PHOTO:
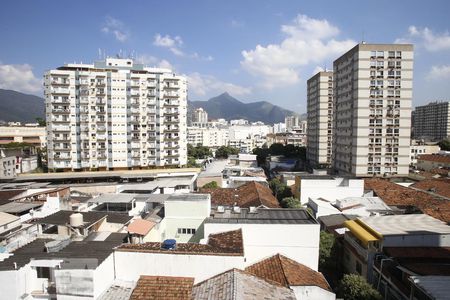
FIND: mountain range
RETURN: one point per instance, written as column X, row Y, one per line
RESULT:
column 16, row 106
column 227, row 107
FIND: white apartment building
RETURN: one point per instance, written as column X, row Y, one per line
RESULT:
column 320, row 119
column 432, row 121
column 200, row 117
column 115, row 114
column 208, row 136
column 33, row 135
column 291, row 122
column 372, row 110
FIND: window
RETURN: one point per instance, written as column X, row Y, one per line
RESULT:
column 186, row 230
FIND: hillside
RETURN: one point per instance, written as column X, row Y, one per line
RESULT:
column 15, row 106
column 227, row 107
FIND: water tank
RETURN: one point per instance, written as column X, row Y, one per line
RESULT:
column 76, row 220
column 169, row 244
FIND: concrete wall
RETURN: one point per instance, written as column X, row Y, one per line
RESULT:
column 299, row 242
column 312, row 293
column 131, row 265
column 104, row 276
column 426, row 239
column 330, row 189
column 95, row 189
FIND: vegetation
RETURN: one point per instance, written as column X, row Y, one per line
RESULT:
column 225, row 151
column 289, row 151
column 445, row 145
column 279, row 189
column 41, row 122
column 327, row 241
column 355, row 287
column 198, row 152
column 211, row 185
column 291, row 202
column 15, row 145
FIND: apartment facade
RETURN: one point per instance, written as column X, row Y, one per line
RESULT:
column 432, row 121
column 291, row 122
column 115, row 114
column 320, row 119
column 372, row 110
column 200, row 117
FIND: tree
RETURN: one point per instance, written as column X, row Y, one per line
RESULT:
column 41, row 122
column 355, row 287
column 290, row 202
column 211, row 185
column 276, row 149
column 199, row 151
column 279, row 189
column 325, row 246
column 225, row 151
column 445, row 145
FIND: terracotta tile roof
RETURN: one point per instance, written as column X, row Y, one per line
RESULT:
column 287, row 272
column 228, row 243
column 238, row 284
column 249, row 194
column 435, row 158
column 162, row 287
column 395, row 195
column 438, row 186
column 140, row 226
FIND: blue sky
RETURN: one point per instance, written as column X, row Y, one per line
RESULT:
column 255, row 50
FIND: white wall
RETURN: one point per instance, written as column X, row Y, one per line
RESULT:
column 104, row 276
column 131, row 265
column 299, row 242
column 330, row 189
column 312, row 293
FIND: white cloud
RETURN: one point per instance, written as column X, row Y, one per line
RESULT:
column 439, row 73
column 153, row 61
column 202, row 85
column 306, row 41
column 115, row 27
column 19, row 78
column 426, row 38
column 174, row 45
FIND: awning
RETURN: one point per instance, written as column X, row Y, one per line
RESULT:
column 361, row 232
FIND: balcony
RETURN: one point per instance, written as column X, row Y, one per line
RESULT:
column 61, row 128
column 135, row 145
column 60, row 91
column 61, row 101
column 171, row 95
column 101, row 137
column 60, row 111
column 61, row 157
column 101, row 128
column 60, row 81
column 134, row 110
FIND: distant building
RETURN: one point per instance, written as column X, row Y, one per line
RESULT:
column 372, row 110
column 14, row 161
column 418, row 148
column 320, row 119
column 291, row 122
column 432, row 121
column 115, row 114
column 279, row 127
column 33, row 135
column 200, row 117
column 429, row 162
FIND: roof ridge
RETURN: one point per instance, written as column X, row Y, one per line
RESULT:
column 279, row 256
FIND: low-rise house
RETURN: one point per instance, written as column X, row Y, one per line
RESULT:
column 329, row 187
column 369, row 235
column 45, row 269
column 222, row 251
column 419, row 148
column 251, row 194
column 81, row 224
column 268, row 231
column 397, row 269
column 305, row 282
column 428, row 162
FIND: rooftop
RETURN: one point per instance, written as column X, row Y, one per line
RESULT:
column 189, row 197
column 406, row 224
column 438, row 186
column 162, row 287
column 6, row 218
column 62, row 217
column 116, row 198
column 141, row 227
column 238, row 284
column 247, row 195
column 228, row 243
column 17, row 207
column 263, row 216
column 287, row 272
column 438, row 287
column 97, row 250
column 214, row 168
column 396, row 195
column 435, row 158
column 335, row 220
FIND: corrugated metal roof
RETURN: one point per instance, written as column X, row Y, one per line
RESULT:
column 437, row 287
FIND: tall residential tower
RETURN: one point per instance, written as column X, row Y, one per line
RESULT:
column 320, row 119
column 432, row 121
column 372, row 119
column 115, row 114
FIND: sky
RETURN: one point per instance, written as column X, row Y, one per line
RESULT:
column 256, row 50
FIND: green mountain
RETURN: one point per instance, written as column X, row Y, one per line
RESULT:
column 15, row 106
column 227, row 107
